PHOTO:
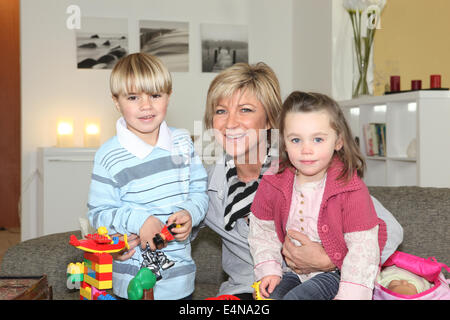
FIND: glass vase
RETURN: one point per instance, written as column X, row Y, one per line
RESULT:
column 362, row 50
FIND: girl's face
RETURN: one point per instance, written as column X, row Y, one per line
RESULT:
column 310, row 143
column 143, row 113
column 237, row 124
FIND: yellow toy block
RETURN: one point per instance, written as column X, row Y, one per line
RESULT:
column 101, row 268
column 75, row 268
column 102, row 285
column 85, row 292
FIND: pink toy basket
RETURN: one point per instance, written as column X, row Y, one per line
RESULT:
column 429, row 269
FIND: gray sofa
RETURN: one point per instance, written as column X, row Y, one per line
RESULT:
column 424, row 214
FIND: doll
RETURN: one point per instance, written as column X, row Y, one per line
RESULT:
column 401, row 281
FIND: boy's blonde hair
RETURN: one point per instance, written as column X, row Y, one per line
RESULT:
column 349, row 154
column 140, row 72
column 258, row 79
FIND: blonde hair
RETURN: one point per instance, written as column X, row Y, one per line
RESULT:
column 349, row 154
column 258, row 79
column 140, row 72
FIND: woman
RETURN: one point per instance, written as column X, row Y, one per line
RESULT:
column 242, row 106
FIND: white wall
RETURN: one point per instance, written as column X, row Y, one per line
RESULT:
column 312, row 46
column 322, row 59
column 53, row 88
column 342, row 61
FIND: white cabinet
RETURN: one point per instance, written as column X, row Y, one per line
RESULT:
column 420, row 116
column 65, row 175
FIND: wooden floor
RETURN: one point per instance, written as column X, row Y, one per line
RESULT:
column 8, row 238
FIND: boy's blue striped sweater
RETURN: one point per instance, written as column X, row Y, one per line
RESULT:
column 125, row 190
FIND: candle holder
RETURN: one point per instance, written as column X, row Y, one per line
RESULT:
column 395, row 83
column 435, row 81
column 91, row 134
column 65, row 134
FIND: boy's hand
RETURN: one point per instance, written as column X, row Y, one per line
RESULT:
column 268, row 284
column 148, row 230
column 184, row 219
column 133, row 241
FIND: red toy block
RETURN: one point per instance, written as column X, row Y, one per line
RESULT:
column 103, row 276
column 99, row 258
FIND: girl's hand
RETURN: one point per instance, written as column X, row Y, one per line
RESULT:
column 133, row 241
column 268, row 284
column 148, row 230
column 184, row 219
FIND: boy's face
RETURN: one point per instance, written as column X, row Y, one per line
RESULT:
column 143, row 113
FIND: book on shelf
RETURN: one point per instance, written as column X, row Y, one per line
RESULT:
column 375, row 139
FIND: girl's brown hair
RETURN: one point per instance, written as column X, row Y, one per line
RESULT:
column 349, row 154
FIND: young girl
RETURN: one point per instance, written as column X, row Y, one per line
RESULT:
column 318, row 191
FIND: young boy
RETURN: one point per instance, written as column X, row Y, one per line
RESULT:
column 146, row 176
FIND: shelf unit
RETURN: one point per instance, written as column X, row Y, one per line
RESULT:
column 65, row 176
column 420, row 115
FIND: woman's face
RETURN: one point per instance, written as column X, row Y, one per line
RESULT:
column 239, row 123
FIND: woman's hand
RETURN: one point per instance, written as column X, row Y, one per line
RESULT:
column 307, row 258
column 133, row 241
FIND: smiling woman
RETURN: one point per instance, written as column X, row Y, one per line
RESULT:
column 238, row 121
column 242, row 106
column 243, row 102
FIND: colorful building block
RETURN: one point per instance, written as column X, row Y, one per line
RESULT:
column 95, row 273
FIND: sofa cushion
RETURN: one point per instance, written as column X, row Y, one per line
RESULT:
column 207, row 254
column 424, row 214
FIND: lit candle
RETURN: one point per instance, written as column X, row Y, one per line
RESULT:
column 91, row 134
column 65, row 134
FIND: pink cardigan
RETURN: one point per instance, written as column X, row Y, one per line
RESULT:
column 346, row 207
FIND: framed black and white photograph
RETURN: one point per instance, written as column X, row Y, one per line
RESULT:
column 168, row 40
column 101, row 42
column 223, row 45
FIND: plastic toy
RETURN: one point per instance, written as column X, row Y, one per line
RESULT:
column 157, row 260
column 92, row 293
column 75, row 272
column 99, row 242
column 141, row 286
column 258, row 295
column 164, row 236
column 97, row 264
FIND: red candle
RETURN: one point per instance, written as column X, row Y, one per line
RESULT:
column 416, row 84
column 395, row 83
column 435, row 81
